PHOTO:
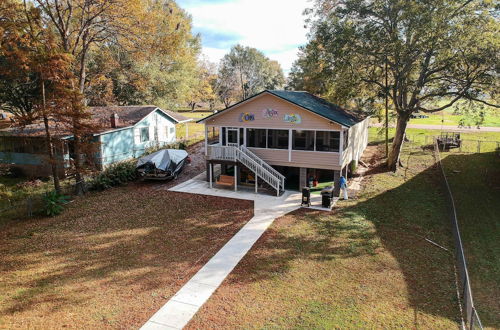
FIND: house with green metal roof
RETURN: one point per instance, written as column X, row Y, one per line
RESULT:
column 282, row 139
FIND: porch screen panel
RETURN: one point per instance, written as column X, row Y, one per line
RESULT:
column 303, row 140
column 327, row 141
column 277, row 139
column 256, row 138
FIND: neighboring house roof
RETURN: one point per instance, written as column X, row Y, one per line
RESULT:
column 37, row 129
column 130, row 115
column 100, row 120
column 309, row 102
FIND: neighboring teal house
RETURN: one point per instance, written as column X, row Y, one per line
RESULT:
column 121, row 132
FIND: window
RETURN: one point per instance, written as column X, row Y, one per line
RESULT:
column 327, row 141
column 303, row 140
column 172, row 130
column 144, row 134
column 256, row 138
column 346, row 139
column 277, row 139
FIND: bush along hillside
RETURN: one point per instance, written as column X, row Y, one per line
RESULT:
column 114, row 175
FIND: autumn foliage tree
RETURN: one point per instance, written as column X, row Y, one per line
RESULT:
column 35, row 77
column 153, row 37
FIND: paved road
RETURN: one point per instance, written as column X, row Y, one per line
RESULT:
column 447, row 128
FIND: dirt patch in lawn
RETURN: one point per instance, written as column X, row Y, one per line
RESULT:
column 364, row 265
column 112, row 258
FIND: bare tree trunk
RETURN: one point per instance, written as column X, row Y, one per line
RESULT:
column 397, row 143
column 50, row 146
column 80, row 181
column 50, row 151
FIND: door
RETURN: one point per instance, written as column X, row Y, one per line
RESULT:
column 233, row 137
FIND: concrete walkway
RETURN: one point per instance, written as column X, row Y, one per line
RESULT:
column 179, row 310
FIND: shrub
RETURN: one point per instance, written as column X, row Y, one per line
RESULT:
column 114, row 175
column 53, row 203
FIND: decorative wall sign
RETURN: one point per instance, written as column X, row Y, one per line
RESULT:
column 246, row 116
column 269, row 113
column 292, row 118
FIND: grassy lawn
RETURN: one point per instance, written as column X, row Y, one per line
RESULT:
column 492, row 119
column 425, row 136
column 111, row 259
column 364, row 265
column 195, row 131
column 475, row 184
column 448, row 118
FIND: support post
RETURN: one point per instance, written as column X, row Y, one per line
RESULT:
column 235, row 177
column 336, row 185
column 206, row 140
column 256, row 185
column 210, row 170
column 302, row 178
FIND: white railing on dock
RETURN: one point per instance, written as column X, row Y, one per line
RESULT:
column 261, row 169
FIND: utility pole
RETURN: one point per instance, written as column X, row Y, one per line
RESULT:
column 386, row 112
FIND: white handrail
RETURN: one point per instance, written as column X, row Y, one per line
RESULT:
column 261, row 162
column 250, row 160
column 265, row 165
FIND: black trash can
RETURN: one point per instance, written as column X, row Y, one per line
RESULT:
column 326, row 196
column 306, row 196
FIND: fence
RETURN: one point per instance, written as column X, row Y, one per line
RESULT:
column 472, row 320
column 467, row 145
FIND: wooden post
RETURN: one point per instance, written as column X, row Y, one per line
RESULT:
column 478, row 146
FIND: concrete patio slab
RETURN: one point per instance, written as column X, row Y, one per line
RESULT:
column 179, row 310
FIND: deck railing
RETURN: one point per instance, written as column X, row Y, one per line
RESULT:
column 264, row 165
column 261, row 169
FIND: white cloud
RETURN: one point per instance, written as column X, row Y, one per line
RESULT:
column 214, row 54
column 275, row 27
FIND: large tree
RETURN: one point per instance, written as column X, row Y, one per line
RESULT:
column 436, row 53
column 140, row 29
column 35, row 78
column 245, row 71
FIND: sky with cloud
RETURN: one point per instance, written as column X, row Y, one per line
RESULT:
column 275, row 27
